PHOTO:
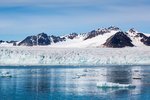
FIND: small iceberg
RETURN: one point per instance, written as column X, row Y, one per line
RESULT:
column 81, row 75
column 85, row 70
column 76, row 77
column 114, row 85
column 6, row 74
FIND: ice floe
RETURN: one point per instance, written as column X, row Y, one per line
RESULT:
column 114, row 85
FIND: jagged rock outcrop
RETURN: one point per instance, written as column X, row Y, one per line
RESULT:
column 56, row 39
column 72, row 36
column 113, row 28
column 118, row 40
column 95, row 33
column 1, row 41
column 9, row 42
column 40, row 39
column 145, row 39
column 12, row 41
column 132, row 33
column 107, row 37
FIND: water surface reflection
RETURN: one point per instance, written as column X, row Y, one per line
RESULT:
column 73, row 82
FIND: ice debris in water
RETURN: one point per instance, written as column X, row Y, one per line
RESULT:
column 5, row 74
column 114, row 85
column 85, row 70
column 78, row 76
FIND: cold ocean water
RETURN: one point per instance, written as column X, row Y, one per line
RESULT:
column 73, row 82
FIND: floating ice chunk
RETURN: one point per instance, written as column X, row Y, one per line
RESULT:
column 85, row 70
column 81, row 75
column 76, row 77
column 137, row 75
column 5, row 74
column 114, row 85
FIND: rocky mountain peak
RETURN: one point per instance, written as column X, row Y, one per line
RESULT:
column 118, row 40
column 95, row 33
column 133, row 30
column 56, row 39
column 109, row 37
column 40, row 39
column 72, row 35
column 42, row 35
column 1, row 41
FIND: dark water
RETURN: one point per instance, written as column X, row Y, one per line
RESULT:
column 74, row 83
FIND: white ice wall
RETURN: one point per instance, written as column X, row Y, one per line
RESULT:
column 74, row 56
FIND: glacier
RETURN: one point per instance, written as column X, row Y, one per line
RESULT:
column 73, row 56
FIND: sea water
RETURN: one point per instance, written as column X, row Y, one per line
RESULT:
column 73, row 82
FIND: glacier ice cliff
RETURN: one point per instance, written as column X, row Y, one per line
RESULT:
column 74, row 56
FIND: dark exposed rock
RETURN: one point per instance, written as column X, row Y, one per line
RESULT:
column 132, row 30
column 72, row 35
column 95, row 33
column 43, row 39
column 12, row 41
column 15, row 44
column 118, row 40
column 56, row 39
column 113, row 28
column 1, row 41
column 9, row 42
column 29, row 41
column 144, row 38
column 40, row 39
column 141, row 35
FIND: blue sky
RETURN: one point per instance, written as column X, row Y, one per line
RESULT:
column 19, row 18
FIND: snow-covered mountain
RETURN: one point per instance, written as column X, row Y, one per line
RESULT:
column 8, row 43
column 119, row 39
column 138, row 39
column 105, row 37
column 95, row 38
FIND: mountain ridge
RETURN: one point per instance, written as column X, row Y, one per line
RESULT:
column 112, row 37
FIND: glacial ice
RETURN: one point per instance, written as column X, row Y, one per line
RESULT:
column 74, row 56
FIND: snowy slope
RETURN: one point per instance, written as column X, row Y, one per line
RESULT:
column 79, row 41
column 74, row 56
column 6, row 44
column 95, row 38
column 138, row 39
column 135, row 40
column 100, row 39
